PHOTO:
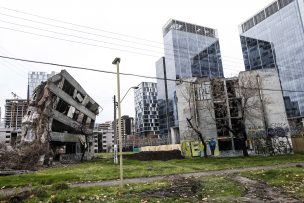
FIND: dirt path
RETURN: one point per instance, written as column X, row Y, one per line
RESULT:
column 186, row 175
column 261, row 192
column 11, row 191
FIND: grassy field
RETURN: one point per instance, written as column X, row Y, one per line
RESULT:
column 104, row 169
column 290, row 180
column 215, row 189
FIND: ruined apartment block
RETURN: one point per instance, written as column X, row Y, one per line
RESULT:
column 214, row 103
column 61, row 113
column 209, row 104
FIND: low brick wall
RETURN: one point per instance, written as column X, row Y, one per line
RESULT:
column 298, row 144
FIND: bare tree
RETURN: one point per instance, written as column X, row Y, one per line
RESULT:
column 223, row 99
column 241, row 99
column 84, row 138
column 188, row 91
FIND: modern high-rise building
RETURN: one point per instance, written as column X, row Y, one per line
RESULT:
column 190, row 51
column 274, row 38
column 146, row 112
column 35, row 79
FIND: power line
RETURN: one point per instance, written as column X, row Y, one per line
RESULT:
column 90, row 44
column 83, row 26
column 166, row 48
column 71, row 29
column 70, row 35
column 67, row 40
column 127, row 74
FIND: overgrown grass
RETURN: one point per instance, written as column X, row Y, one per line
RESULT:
column 289, row 179
column 104, row 169
column 221, row 189
column 217, row 189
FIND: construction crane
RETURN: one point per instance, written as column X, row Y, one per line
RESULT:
column 15, row 96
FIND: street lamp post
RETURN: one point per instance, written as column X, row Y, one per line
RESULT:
column 115, row 130
column 116, row 62
column 135, row 87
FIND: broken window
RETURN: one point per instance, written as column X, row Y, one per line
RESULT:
column 231, row 85
column 92, row 123
column 13, row 139
column 68, row 88
column 89, row 105
column 222, row 131
column 76, row 114
column 237, row 144
column 224, row 145
column 220, row 110
column 218, row 89
column 70, row 148
column 234, row 105
column 84, row 120
column 236, row 124
column 63, row 107
column 60, row 127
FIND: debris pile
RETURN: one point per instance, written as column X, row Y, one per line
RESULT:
column 58, row 125
column 25, row 157
column 157, row 155
column 180, row 187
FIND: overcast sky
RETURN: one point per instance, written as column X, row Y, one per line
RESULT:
column 119, row 18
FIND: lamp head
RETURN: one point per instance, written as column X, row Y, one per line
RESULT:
column 135, row 87
column 116, row 60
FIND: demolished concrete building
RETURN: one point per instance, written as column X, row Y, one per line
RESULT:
column 62, row 114
column 216, row 108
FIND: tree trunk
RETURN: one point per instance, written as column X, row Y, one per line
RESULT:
column 244, row 139
column 85, row 148
column 199, row 135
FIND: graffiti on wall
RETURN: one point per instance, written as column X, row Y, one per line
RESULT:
column 271, row 141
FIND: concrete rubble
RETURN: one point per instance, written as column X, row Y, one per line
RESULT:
column 60, row 117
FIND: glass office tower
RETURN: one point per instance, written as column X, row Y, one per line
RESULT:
column 190, row 51
column 146, row 111
column 274, row 37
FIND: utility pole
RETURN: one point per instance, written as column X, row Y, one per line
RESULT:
column 116, row 62
column 262, row 105
column 115, row 132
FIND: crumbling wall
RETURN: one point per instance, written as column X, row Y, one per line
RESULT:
column 37, row 122
column 33, row 146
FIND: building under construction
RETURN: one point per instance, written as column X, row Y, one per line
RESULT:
column 15, row 109
column 62, row 113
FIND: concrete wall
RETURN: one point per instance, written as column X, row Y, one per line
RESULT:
column 273, row 102
column 188, row 107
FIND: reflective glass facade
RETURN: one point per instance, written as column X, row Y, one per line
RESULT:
column 257, row 54
column 146, row 111
column 275, row 37
column 190, row 51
